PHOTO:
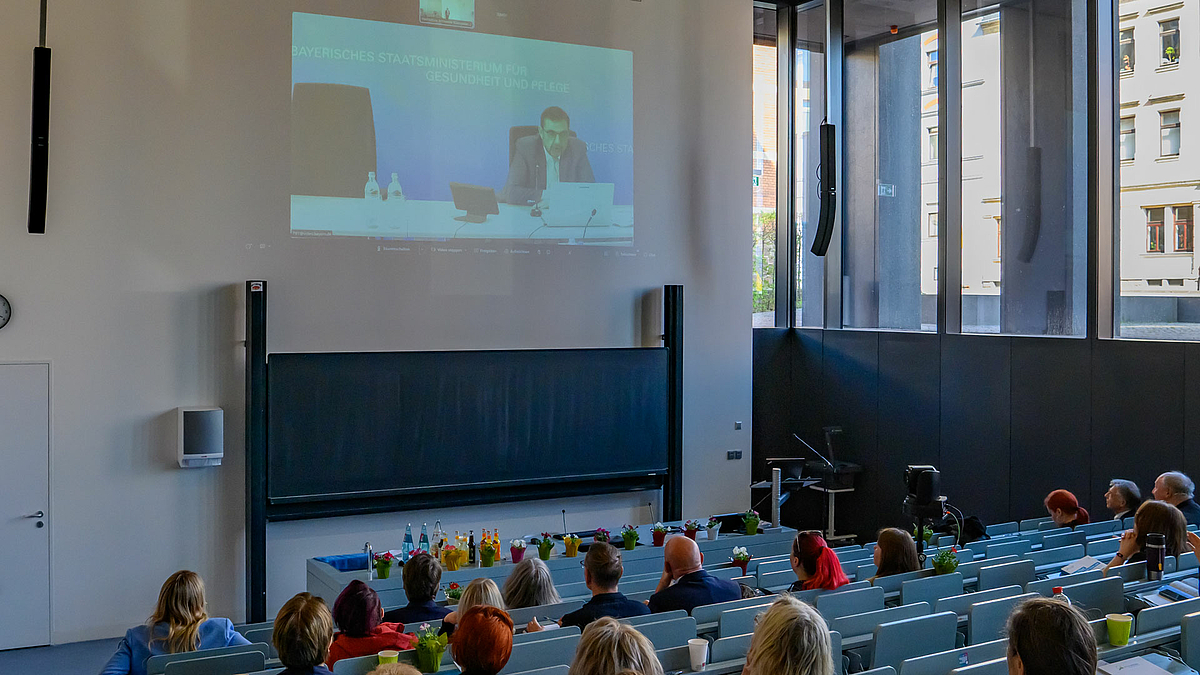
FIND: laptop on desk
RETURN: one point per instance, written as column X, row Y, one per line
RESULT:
column 578, row 205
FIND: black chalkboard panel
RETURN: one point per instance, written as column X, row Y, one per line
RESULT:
column 360, row 425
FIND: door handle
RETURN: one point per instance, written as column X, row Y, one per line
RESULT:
column 39, row 514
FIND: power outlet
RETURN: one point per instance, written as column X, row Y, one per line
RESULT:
column 733, row 454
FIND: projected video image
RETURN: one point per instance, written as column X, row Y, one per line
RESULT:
column 457, row 13
column 423, row 133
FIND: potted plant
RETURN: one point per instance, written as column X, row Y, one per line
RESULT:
column 383, row 564
column 430, row 648
column 691, row 527
column 516, row 548
column 453, row 593
column 751, row 519
column 450, row 557
column 945, row 561
column 545, row 545
column 659, row 532
column 572, row 542
column 601, row 535
column 488, row 551
column 629, row 535
column 928, row 534
column 713, row 527
column 740, row 558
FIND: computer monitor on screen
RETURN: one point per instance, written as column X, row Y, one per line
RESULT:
column 476, row 200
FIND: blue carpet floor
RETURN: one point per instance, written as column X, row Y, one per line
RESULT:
column 76, row 658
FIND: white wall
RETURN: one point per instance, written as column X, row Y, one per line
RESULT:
column 169, row 155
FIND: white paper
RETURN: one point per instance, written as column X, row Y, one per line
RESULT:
column 1135, row 666
column 1084, row 564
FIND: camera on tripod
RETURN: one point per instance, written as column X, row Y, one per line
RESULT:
column 924, row 500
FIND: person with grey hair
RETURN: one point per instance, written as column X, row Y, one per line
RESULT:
column 529, row 585
column 1123, row 498
column 1176, row 489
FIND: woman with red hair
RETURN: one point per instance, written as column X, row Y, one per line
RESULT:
column 815, row 564
column 359, row 616
column 482, row 642
column 1065, row 510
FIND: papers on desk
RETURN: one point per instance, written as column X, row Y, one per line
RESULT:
column 1085, row 564
column 1135, row 666
column 1184, row 589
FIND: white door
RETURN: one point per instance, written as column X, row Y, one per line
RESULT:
column 24, row 505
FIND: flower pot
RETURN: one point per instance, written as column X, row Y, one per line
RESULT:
column 572, row 548
column 518, row 554
column 752, row 527
column 630, row 544
column 382, row 571
column 599, row 539
column 659, row 537
column 544, row 552
column 690, row 534
column 712, row 532
column 487, row 558
column 452, row 561
column 741, row 564
column 944, row 569
column 429, row 660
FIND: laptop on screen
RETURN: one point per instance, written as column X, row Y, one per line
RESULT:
column 572, row 205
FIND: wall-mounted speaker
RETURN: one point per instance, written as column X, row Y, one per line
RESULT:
column 201, row 436
column 39, row 152
column 828, row 189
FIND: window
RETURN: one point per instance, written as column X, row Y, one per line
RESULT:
column 1126, row 53
column 1183, row 228
column 933, row 224
column 932, row 58
column 1168, row 33
column 1169, row 124
column 764, row 101
column 809, row 110
column 932, row 133
column 1128, row 138
column 1154, row 230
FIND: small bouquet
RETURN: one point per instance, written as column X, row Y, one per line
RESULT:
column 430, row 648
column 488, row 550
column 713, row 526
column 516, row 548
column 629, row 534
column 928, row 534
column 453, row 593
column 740, row 558
column 691, row 527
column 572, row 543
column 601, row 535
column 383, row 563
column 945, row 561
column 751, row 519
column 659, row 532
column 450, row 557
column 545, row 545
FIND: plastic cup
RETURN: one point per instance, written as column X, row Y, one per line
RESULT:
column 698, row 650
column 389, row 656
column 1118, row 629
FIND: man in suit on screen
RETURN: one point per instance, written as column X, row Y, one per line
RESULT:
column 543, row 160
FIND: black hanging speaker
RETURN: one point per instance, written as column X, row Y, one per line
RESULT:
column 40, row 143
column 673, row 341
column 828, row 189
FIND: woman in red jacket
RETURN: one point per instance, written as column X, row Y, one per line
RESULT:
column 359, row 617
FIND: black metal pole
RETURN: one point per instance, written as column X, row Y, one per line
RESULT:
column 673, row 340
column 256, row 451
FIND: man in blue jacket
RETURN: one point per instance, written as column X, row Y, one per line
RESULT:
column 683, row 565
column 551, row 157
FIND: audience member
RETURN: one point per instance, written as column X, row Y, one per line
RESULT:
column 179, row 624
column 359, row 615
column 1050, row 637
column 1177, row 489
column 1157, row 517
column 609, row 647
column 1065, row 510
column 693, row 585
column 422, row 574
column 602, row 572
column 478, row 592
column 483, row 642
column 790, row 638
column 1123, row 498
column 529, row 585
column 815, row 564
column 302, row 635
column 895, row 553
column 394, row 669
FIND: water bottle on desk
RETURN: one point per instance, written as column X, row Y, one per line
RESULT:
column 371, row 189
column 407, row 548
column 424, row 542
column 1060, row 596
column 394, row 194
column 1156, row 549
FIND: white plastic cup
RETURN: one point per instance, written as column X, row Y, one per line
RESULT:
column 698, row 650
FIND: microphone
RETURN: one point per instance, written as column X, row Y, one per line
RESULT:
column 564, row 521
column 813, row 450
column 589, row 222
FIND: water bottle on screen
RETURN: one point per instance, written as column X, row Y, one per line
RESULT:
column 1060, row 596
column 424, row 542
column 407, row 549
column 1156, row 555
column 371, row 191
column 394, row 193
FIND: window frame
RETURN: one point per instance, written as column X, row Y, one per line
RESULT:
column 1156, row 230
column 1164, row 129
column 1163, row 34
column 1131, row 132
column 1188, row 223
column 1121, row 53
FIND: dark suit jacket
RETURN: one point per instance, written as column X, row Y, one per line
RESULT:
column 693, row 590
column 1191, row 511
column 615, row 605
column 527, row 174
column 417, row 613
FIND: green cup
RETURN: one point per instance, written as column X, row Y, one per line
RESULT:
column 389, row 656
column 1118, row 629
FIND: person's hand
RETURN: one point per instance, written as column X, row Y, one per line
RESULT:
column 1194, row 542
column 533, row 626
column 1128, row 545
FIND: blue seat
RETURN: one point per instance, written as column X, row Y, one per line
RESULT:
column 865, row 623
column 1102, row 527
column 711, row 613
column 863, row 572
column 994, row 667
column 1002, row 528
column 156, row 665
column 774, row 581
column 1045, row 587
column 1017, row 573
column 1064, row 539
column 263, row 635
column 885, row 670
column 1032, row 524
column 931, row 589
column 1189, row 640
column 1097, row 598
column 673, row 659
column 669, row 633
column 541, row 654
column 960, row 604
column 891, row 584
column 730, row 648
column 1056, row 556
column 834, row 605
column 986, row 620
column 810, row 596
column 522, row 616
column 1130, row 571
column 970, row 570
column 738, row 621
column 1019, row 547
column 943, row 662
column 1103, row 546
column 844, row 549
column 243, row 627
column 544, row 634
column 662, row 616
column 896, row 641
column 225, row 664
column 1165, row 616
column 1187, row 561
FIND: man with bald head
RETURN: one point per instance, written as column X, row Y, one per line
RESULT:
column 692, row 587
column 1177, row 489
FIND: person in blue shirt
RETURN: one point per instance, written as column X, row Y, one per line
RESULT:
column 685, row 584
column 422, row 574
column 302, row 635
column 179, row 624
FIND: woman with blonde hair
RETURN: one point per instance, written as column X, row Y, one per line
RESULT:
column 530, row 585
column 179, row 623
column 608, row 646
column 790, row 638
column 478, row 592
